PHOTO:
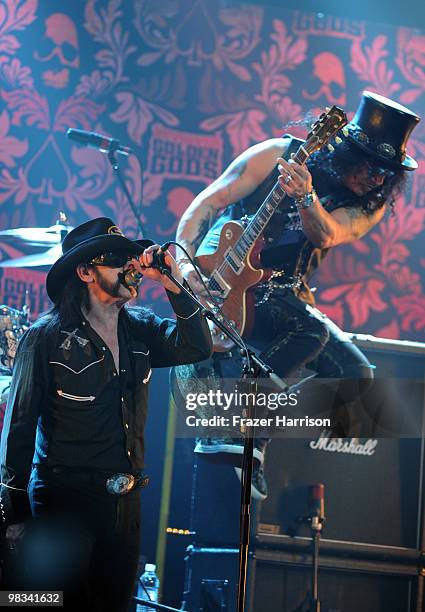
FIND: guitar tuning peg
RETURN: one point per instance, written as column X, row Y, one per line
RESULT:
column 330, row 148
column 345, row 131
column 338, row 140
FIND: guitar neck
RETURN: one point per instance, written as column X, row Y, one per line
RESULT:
column 263, row 215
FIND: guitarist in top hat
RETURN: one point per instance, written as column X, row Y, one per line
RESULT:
column 336, row 197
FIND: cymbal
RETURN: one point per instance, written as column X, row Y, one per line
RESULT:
column 37, row 260
column 32, row 243
column 35, row 236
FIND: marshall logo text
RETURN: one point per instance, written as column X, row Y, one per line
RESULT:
column 351, row 446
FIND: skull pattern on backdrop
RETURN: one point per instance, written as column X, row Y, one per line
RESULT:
column 188, row 84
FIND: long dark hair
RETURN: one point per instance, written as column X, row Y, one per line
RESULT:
column 67, row 309
column 330, row 167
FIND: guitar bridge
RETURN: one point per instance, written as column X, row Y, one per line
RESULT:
column 217, row 283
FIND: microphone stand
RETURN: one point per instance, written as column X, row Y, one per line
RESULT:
column 116, row 169
column 316, row 528
column 316, row 522
column 257, row 366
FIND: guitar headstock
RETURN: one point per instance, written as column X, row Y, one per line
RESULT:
column 324, row 129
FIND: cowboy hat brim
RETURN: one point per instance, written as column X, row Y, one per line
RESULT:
column 83, row 252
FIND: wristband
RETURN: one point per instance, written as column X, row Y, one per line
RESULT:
column 306, row 200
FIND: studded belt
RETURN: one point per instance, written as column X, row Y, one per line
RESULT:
column 115, row 484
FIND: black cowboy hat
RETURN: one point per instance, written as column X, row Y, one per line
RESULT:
column 85, row 242
column 382, row 127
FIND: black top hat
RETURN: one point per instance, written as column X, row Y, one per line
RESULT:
column 382, row 128
column 85, row 242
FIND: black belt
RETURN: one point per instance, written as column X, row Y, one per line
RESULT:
column 118, row 483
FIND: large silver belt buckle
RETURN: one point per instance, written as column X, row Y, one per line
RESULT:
column 120, row 484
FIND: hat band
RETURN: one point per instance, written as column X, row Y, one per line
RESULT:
column 384, row 149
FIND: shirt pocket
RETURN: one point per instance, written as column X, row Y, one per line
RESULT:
column 78, row 383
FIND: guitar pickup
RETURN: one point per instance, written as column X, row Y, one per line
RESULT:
column 233, row 261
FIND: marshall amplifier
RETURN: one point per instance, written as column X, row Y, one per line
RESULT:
column 371, row 488
column 371, row 555
column 373, row 485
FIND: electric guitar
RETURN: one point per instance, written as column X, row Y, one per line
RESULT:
column 234, row 268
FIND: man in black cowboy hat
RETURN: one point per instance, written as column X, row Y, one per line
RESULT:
column 339, row 195
column 73, row 439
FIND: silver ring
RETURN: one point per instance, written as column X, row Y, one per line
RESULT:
column 288, row 179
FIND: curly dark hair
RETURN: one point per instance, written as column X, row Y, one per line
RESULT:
column 328, row 169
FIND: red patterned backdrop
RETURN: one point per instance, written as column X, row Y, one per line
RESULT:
column 189, row 84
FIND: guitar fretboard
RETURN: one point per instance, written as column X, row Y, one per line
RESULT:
column 265, row 212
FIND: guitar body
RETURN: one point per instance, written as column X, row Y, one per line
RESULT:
column 235, row 279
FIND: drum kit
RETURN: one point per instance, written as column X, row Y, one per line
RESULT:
column 38, row 247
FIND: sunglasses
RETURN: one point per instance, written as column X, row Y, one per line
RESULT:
column 374, row 170
column 112, row 259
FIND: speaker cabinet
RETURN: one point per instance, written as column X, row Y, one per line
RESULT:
column 279, row 580
column 368, row 498
column 343, row 587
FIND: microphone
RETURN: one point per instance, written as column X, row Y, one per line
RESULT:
column 159, row 258
column 317, row 506
column 133, row 278
column 98, row 141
